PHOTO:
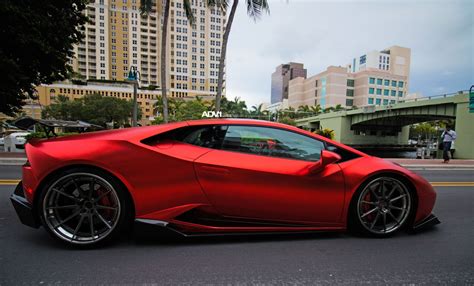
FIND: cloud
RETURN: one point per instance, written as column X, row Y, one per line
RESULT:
column 320, row 34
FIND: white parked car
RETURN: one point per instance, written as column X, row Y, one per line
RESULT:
column 15, row 142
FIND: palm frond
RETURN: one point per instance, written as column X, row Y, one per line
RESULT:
column 222, row 5
column 256, row 7
column 189, row 11
column 146, row 6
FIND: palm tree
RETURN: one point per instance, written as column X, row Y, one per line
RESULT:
column 316, row 109
column 254, row 10
column 145, row 8
column 257, row 109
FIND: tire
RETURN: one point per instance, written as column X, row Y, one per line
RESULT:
column 382, row 206
column 84, row 207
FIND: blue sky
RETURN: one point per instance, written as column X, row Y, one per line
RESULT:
column 440, row 34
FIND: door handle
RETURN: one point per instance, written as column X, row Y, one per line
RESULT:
column 217, row 170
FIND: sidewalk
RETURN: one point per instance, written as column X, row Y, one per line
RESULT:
column 433, row 163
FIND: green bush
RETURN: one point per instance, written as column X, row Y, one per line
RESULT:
column 41, row 134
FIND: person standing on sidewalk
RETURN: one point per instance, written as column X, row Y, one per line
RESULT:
column 448, row 137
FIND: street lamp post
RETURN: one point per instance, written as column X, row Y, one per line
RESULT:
column 134, row 77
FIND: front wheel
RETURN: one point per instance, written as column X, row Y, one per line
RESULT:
column 381, row 207
column 83, row 207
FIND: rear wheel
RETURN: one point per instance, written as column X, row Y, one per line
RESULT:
column 82, row 207
column 382, row 207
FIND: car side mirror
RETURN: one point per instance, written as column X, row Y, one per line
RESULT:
column 327, row 158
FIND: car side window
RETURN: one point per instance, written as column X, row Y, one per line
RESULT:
column 272, row 142
column 209, row 136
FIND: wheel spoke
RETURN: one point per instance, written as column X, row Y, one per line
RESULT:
column 66, row 195
column 373, row 193
column 369, row 212
column 79, row 224
column 105, row 207
column 91, row 189
column 91, row 224
column 78, row 188
column 375, row 221
column 76, row 213
column 102, row 219
column 397, row 198
column 369, row 203
column 384, row 215
column 394, row 218
column 397, row 208
column 62, row 207
column 382, row 189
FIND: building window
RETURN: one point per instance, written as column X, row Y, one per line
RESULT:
column 371, row 90
column 379, row 81
column 400, row 84
column 378, row 101
column 379, row 91
column 394, row 93
column 350, row 82
column 392, row 101
column 316, row 93
column 316, row 83
column 349, row 92
column 386, row 92
column 371, row 101
column 385, row 102
column 394, row 83
column 372, row 80
column 349, row 102
column 400, row 93
column 387, row 82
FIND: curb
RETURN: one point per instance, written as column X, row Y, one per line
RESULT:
column 12, row 161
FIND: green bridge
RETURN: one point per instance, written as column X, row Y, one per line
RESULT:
column 385, row 125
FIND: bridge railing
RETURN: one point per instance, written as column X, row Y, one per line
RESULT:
column 434, row 96
column 371, row 108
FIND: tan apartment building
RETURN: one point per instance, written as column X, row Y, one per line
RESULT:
column 375, row 78
column 118, row 37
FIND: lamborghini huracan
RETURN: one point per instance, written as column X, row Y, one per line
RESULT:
column 211, row 177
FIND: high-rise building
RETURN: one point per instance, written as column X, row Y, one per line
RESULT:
column 281, row 77
column 375, row 78
column 118, row 37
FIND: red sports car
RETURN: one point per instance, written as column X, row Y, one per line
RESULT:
column 216, row 176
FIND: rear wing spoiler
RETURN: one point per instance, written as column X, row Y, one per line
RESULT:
column 27, row 122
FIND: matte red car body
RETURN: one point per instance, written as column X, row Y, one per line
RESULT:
column 173, row 178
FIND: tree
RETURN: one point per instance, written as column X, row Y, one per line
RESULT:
column 254, row 10
column 338, row 107
column 37, row 43
column 94, row 108
column 328, row 133
column 145, row 8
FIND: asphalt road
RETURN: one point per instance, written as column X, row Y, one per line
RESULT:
column 442, row 255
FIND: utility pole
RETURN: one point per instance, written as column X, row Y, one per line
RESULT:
column 134, row 77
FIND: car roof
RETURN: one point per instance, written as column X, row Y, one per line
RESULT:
column 256, row 122
column 244, row 121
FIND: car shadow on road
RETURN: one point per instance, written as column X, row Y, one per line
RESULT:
column 151, row 235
